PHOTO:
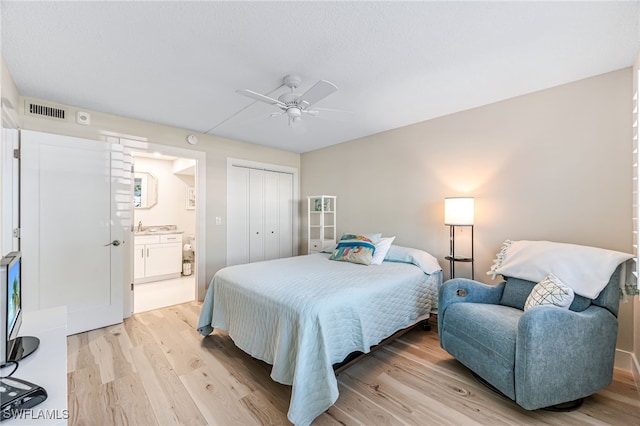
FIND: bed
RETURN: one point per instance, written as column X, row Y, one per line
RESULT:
column 304, row 314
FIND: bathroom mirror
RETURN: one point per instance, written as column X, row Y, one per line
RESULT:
column 145, row 190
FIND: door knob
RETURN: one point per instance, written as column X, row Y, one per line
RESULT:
column 113, row 243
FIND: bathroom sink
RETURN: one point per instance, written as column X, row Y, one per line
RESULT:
column 158, row 229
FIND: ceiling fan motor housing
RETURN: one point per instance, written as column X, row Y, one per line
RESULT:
column 292, row 81
column 294, row 112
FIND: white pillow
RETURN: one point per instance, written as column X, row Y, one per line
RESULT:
column 382, row 248
column 423, row 260
column 550, row 291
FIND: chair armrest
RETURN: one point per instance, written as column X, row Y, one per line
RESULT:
column 465, row 290
column 556, row 344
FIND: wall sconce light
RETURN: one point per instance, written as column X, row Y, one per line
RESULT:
column 458, row 211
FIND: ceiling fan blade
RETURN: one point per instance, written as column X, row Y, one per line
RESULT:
column 331, row 114
column 342, row 111
column 317, row 92
column 259, row 97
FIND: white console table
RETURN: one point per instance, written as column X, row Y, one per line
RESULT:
column 46, row 367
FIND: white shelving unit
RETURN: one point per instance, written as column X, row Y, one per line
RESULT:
column 321, row 222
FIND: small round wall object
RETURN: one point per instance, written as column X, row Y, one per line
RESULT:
column 192, row 139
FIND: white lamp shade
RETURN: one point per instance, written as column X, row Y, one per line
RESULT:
column 458, row 211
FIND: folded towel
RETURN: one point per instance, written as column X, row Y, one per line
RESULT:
column 586, row 270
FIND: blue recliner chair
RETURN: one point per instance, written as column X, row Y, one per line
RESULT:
column 544, row 357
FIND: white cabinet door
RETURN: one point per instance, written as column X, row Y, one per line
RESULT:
column 138, row 261
column 163, row 259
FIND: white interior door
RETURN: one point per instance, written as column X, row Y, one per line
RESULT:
column 76, row 215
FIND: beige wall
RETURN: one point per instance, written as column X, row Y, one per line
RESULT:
column 552, row 165
column 217, row 151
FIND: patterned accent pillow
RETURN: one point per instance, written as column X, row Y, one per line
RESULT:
column 354, row 249
column 550, row 291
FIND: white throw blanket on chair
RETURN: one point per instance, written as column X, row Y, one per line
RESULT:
column 586, row 270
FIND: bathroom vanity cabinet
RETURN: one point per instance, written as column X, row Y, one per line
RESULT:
column 157, row 257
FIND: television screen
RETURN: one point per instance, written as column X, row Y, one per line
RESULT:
column 12, row 346
column 13, row 296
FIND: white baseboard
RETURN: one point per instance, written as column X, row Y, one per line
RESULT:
column 635, row 370
column 628, row 361
column 623, row 360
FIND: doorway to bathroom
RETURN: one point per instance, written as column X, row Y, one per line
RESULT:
column 167, row 259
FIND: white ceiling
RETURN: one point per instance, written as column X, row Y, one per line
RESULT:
column 395, row 63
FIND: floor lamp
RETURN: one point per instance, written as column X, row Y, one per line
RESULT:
column 458, row 211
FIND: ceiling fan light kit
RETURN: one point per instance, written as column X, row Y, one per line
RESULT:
column 293, row 104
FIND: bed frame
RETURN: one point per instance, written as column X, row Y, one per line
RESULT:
column 354, row 357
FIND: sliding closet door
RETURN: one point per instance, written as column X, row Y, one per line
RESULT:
column 260, row 215
column 238, row 216
column 256, row 215
column 286, row 215
column 278, row 215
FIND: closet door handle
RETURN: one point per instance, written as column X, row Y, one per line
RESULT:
column 147, row 252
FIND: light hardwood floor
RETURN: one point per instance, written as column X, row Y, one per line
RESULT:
column 154, row 369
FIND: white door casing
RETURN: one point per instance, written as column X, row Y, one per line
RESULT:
column 75, row 201
column 10, row 183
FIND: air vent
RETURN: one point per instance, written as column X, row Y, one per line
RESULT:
column 45, row 111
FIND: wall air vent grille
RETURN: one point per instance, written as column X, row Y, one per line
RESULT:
column 46, row 111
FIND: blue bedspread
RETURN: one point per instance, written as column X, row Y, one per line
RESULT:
column 303, row 314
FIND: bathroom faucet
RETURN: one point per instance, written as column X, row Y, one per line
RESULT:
column 139, row 226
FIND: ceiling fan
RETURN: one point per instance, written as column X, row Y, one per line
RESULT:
column 291, row 104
